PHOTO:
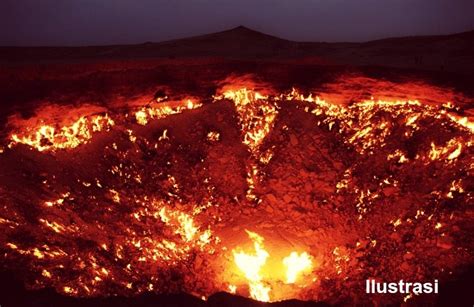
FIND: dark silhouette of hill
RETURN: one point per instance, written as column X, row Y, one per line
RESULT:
column 443, row 52
column 237, row 42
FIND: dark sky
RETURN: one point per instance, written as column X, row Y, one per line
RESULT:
column 86, row 22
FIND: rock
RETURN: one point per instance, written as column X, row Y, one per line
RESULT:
column 272, row 199
column 303, row 174
column 246, row 211
column 418, row 230
column 395, row 236
column 445, row 242
column 337, row 165
column 389, row 191
column 363, row 244
column 293, row 140
column 197, row 263
column 295, row 214
column 269, row 209
column 405, row 266
column 408, row 256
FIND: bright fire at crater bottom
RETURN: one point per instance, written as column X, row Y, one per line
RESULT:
column 252, row 265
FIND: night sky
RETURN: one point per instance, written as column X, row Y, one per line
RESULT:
column 99, row 22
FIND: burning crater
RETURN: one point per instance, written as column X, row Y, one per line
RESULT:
column 269, row 195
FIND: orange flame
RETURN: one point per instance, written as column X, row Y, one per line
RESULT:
column 295, row 264
column 251, row 265
column 47, row 137
column 145, row 114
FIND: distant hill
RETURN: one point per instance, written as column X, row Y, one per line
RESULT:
column 237, row 42
column 444, row 52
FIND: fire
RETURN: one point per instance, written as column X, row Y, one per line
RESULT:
column 50, row 137
column 213, row 136
column 463, row 122
column 162, row 110
column 185, row 225
column 232, row 289
column 453, row 147
column 188, row 235
column 257, row 114
column 295, row 264
column 251, row 264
